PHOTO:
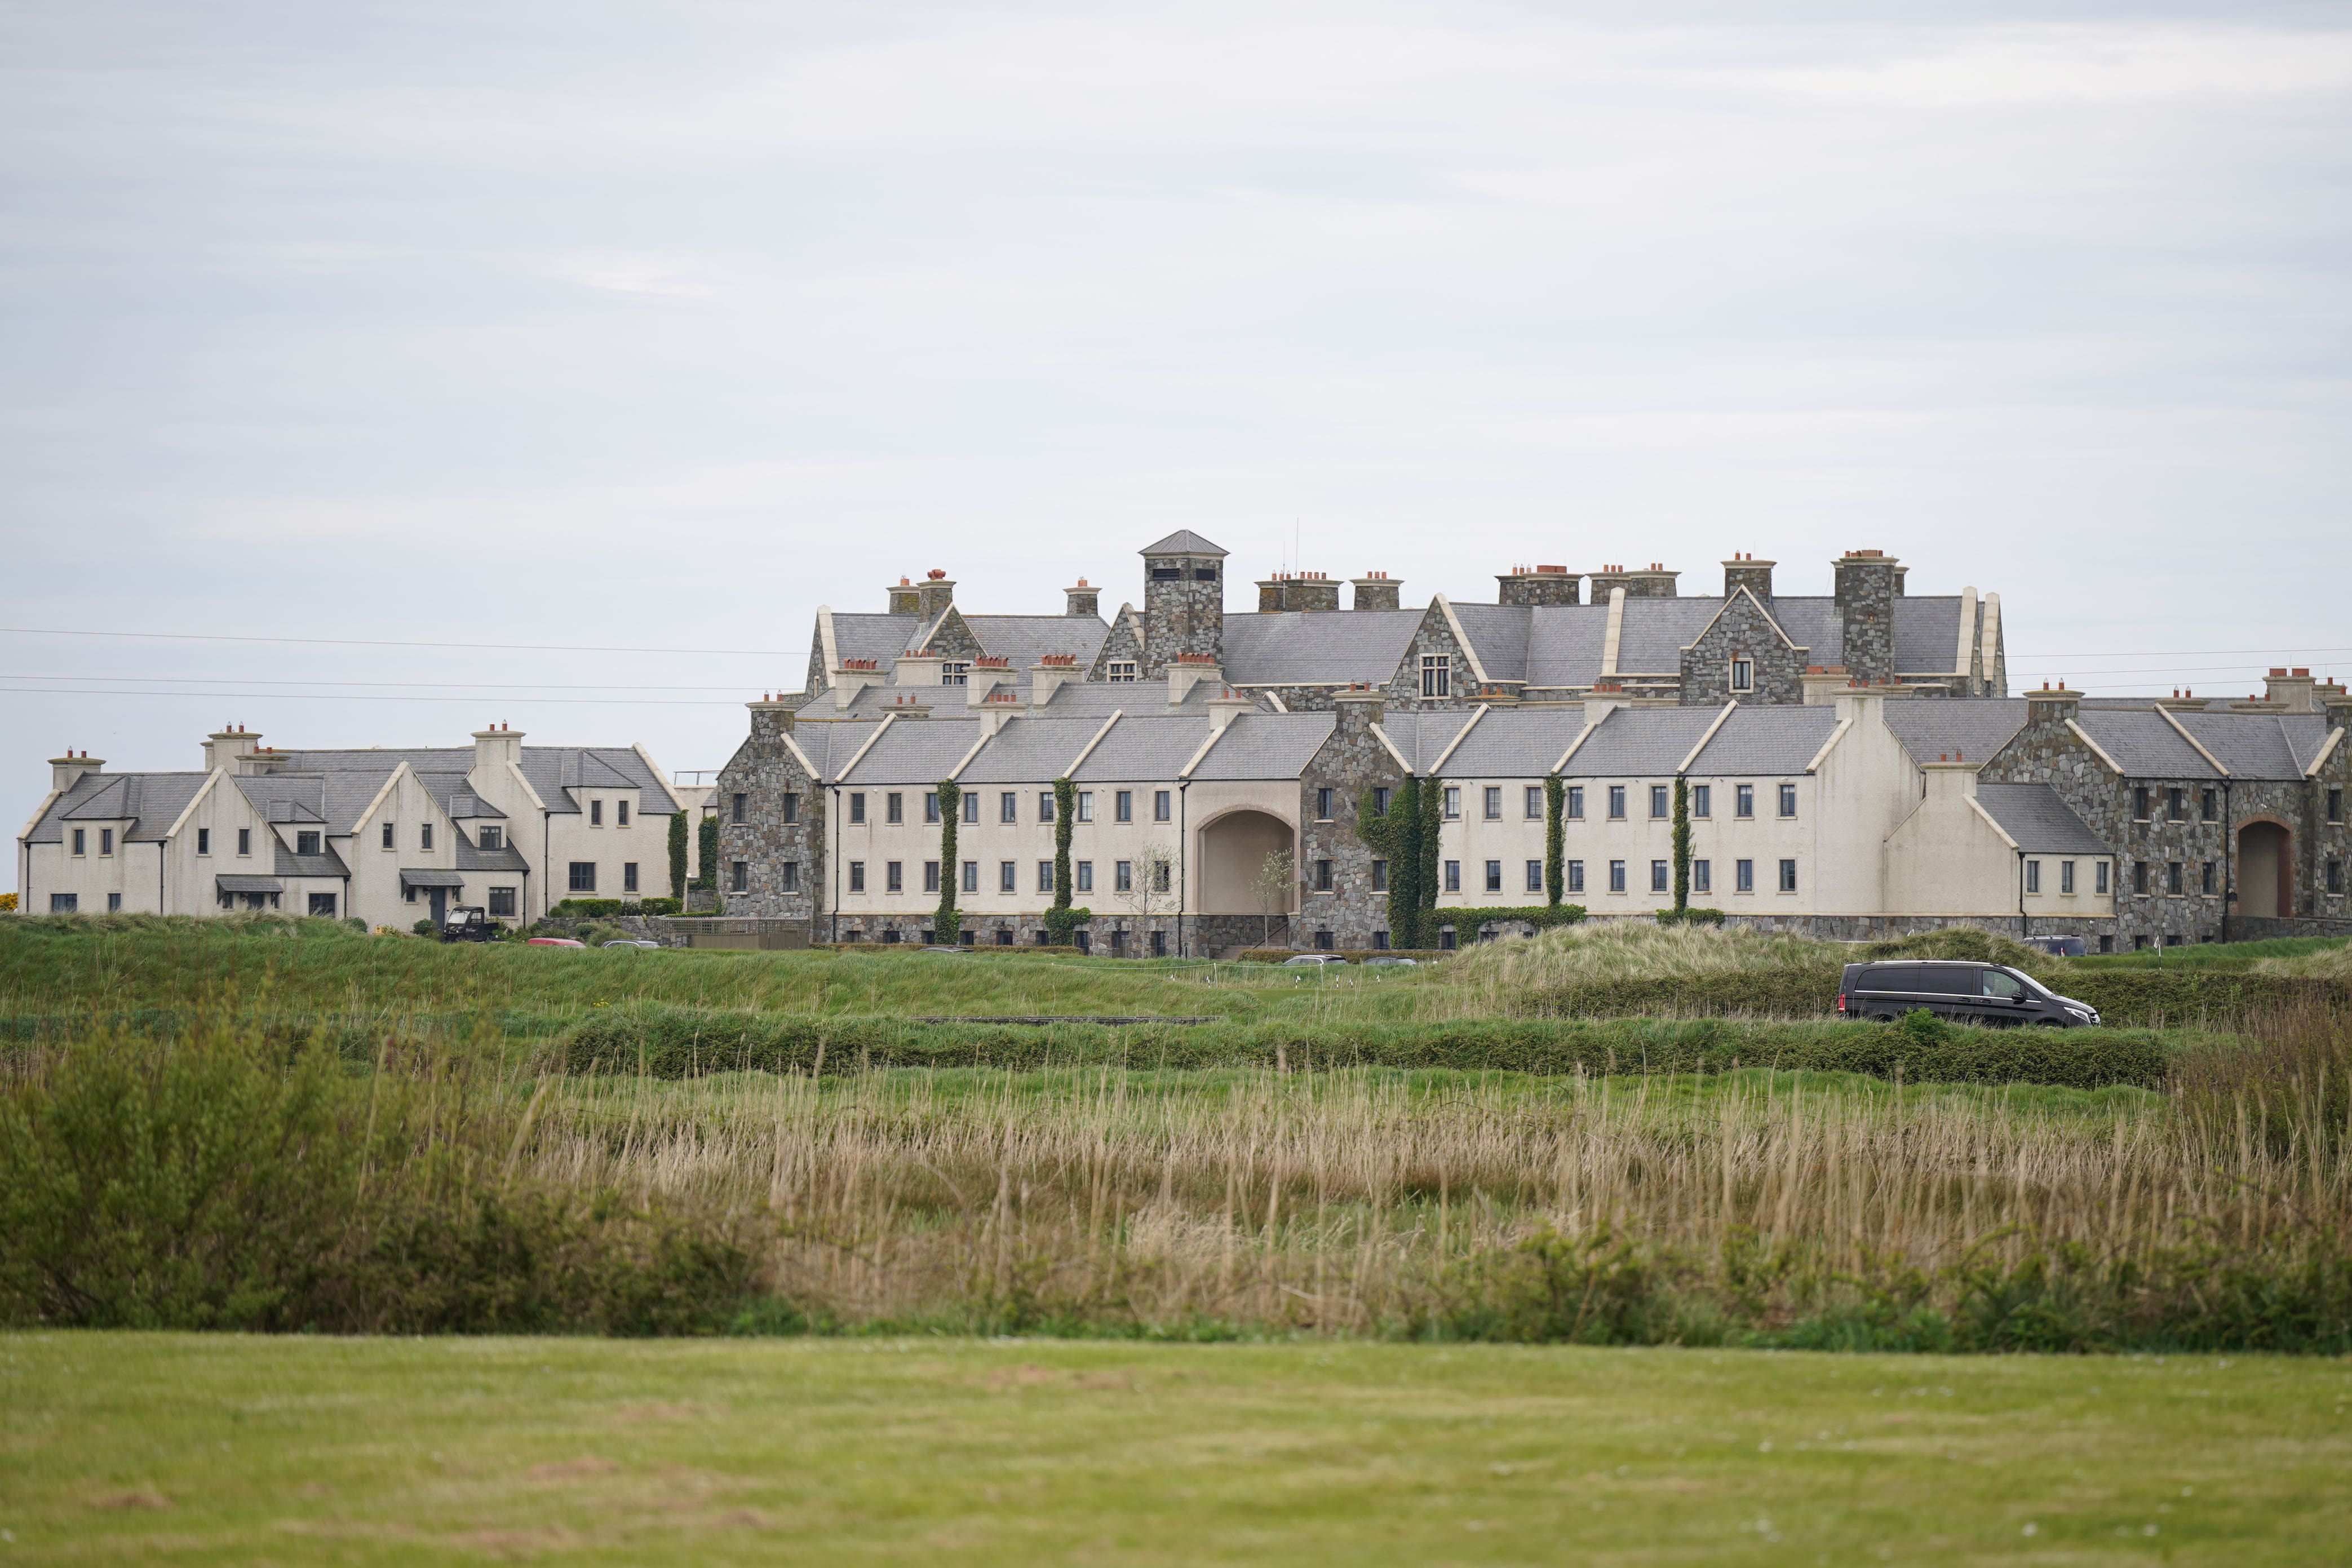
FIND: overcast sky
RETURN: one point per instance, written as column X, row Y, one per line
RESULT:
column 655, row 326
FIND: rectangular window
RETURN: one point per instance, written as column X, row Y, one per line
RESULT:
column 1743, row 675
column 584, row 877
column 2176, row 803
column 629, row 878
column 1743, row 800
column 2205, row 878
column 894, row 807
column 2335, row 805
column 306, row 842
column 1379, row 800
column 1493, row 876
column 491, row 837
column 739, row 808
column 930, row 805
column 2139, row 802
column 1045, row 875
column 243, row 842
column 1535, row 876
column 2034, row 876
column 2172, row 877
column 2101, row 879
column 2336, row 876
column 1662, row 876
column 1453, row 803
column 955, row 672
column 1380, row 876
column 1576, row 875
column 1161, row 872
column 1437, row 674
column 389, row 842
column 1322, row 875
column 115, row 903
column 1616, row 802
column 789, row 872
column 1493, row 803
column 1044, row 806
column 1702, row 800
column 1534, row 807
column 1323, row 804
column 1122, row 670
column 931, row 876
column 2207, row 800
column 1323, row 942
column 1616, row 875
column 972, row 876
column 740, row 876
column 1122, row 806
column 1085, row 805
column 1008, row 806
column 68, row 904
column 857, row 876
column 502, row 903
column 1083, row 874
column 424, row 836
column 595, row 815
column 1743, row 876
column 204, row 840
column 792, row 809
column 1122, row 875
column 2139, row 875
column 106, row 841
column 1702, row 876
column 1160, row 804
column 1788, row 876
column 1575, row 808
column 2065, row 876
column 1454, row 875
column 621, row 811
column 1008, row 876
column 894, row 877
column 1662, row 802
column 858, row 806
column 1788, row 800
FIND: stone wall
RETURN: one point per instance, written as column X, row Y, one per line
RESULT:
column 1185, row 613
column 1121, row 647
column 1865, row 591
column 764, row 771
column 1538, row 588
column 1349, row 762
column 1756, row 576
column 1433, row 636
column 1744, row 630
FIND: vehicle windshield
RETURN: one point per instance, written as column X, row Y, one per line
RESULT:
column 2036, row 986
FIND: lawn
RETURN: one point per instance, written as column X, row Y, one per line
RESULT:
column 187, row 1449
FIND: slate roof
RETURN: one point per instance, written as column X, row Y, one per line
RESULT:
column 1812, row 623
column 352, row 777
column 1764, row 741
column 326, row 863
column 2142, row 745
column 153, row 802
column 915, row 751
column 1025, row 639
column 1656, row 631
column 829, row 747
column 2259, row 746
column 1183, row 541
column 1424, row 733
column 455, row 796
column 1268, row 745
column 1317, row 646
column 1926, row 634
column 1499, row 633
column 879, row 638
column 2035, row 817
column 1029, row 750
column 1969, row 728
column 506, row 858
column 1144, row 750
column 1513, row 743
column 1640, row 743
column 1565, row 644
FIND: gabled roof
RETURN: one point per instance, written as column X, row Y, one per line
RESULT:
column 1028, row 750
column 830, row 747
column 333, row 799
column 1302, row 647
column 2144, row 745
column 2259, row 746
column 1513, row 743
column 1421, row 734
column 1565, row 644
column 326, row 863
column 917, row 751
column 1964, row 729
column 506, row 858
column 1183, row 541
column 1640, row 743
column 1765, row 741
column 1499, row 634
column 1267, row 746
column 152, row 802
column 1927, row 634
column 1149, row 749
column 1657, row 630
column 2037, row 819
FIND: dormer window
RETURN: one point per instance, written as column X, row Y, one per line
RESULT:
column 491, row 837
column 1122, row 670
column 954, row 673
column 306, row 842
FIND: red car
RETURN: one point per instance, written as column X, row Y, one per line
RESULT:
column 552, row 941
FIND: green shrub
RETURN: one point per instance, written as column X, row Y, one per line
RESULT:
column 1687, row 916
column 586, row 909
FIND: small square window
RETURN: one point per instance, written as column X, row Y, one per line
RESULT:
column 1322, row 942
column 502, row 903
column 582, row 877
column 491, row 836
column 306, row 842
column 115, row 903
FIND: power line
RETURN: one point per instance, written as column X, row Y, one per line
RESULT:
column 436, row 685
column 384, row 642
column 367, row 697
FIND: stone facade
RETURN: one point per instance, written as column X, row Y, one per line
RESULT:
column 1123, row 646
column 1375, row 593
column 1183, row 609
column 781, row 836
column 1300, row 591
column 1541, row 585
column 1744, row 630
column 1349, row 763
column 1433, row 638
column 1865, row 599
column 1756, row 576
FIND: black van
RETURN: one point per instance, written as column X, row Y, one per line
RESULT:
column 1984, row 993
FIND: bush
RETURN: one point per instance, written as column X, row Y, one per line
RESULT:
column 1690, row 917
column 424, row 927
column 593, row 908
column 1543, row 917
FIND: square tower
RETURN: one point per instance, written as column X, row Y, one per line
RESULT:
column 1183, row 601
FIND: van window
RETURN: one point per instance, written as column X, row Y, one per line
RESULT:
column 2003, row 987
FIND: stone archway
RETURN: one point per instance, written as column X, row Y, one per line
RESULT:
column 2266, row 870
column 1233, row 849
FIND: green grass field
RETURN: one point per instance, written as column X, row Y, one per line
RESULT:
column 183, row 1450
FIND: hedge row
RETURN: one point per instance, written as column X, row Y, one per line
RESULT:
column 2143, row 998
column 678, row 1042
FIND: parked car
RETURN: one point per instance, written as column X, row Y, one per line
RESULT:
column 1989, row 993
column 552, row 941
column 1312, row 961
column 1401, row 962
column 2060, row 946
column 632, row 941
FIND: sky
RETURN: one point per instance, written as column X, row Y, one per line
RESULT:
column 550, row 364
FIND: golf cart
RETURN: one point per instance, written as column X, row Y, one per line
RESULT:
column 467, row 922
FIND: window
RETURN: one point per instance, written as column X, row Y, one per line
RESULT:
column 2176, row 803
column 389, row 843
column 972, row 805
column 2101, row 879
column 68, row 903
column 1437, row 674
column 1045, row 875
column 738, row 807
column 2335, row 805
column 106, row 840
column 894, row 807
column 1788, row 876
column 584, row 877
column 1788, row 800
column 1008, row 876
column 502, row 903
column 114, row 903
column 1662, row 877
column 306, row 841
column 1122, row 876
column 629, row 877
column 1085, row 805
column 2208, row 802
column 1162, row 872
column 972, row 876
column 2139, row 802
column 243, row 842
column 930, row 805
column 595, row 814
column 1323, row 804
column 1380, row 876
column 424, row 836
column 792, row 809
column 204, row 840
column 1008, row 807
column 1743, row 800
column 1322, row 875
column 1005, row 936
column 2034, row 876
column 1454, row 875
column 858, row 806
column 1122, row 805
column 1204, row 574
column 2205, row 878
column 955, row 672
column 2139, row 875
column 1159, row 944
column 1743, row 876
column 1576, row 875
column 1453, row 803
column 2065, row 876
column 1379, row 800
column 1083, row 874
column 931, row 876
column 1702, row 800
column 620, row 810
column 1122, row 670
column 894, row 877
column 2336, row 876
column 1616, row 802
column 740, row 876
column 1662, row 802
column 1575, row 809
column 491, row 836
column 1743, row 675
column 1380, row 940
column 857, row 876
column 1493, row 876
column 1493, row 803
column 1535, row 876
column 1322, row 942
column 1159, row 806
column 2172, row 877
column 1534, row 807
column 1616, row 875
column 1702, row 876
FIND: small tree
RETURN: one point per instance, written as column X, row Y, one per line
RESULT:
column 1061, row 920
column 1151, row 881
column 1273, row 886
column 1682, row 843
column 1554, row 838
column 1406, row 836
column 706, row 866
column 946, row 923
column 678, row 854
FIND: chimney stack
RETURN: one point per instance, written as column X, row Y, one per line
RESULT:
column 497, row 746
column 2291, row 691
column 1747, row 571
column 1375, row 591
column 233, row 749
column 906, row 599
column 1359, row 709
column 2336, row 704
column 1188, row 670
column 2053, row 704
column 1050, row 674
column 1082, row 601
column 770, row 717
column 1538, row 585
column 916, row 667
column 1183, row 601
column 850, row 678
column 1227, row 706
column 65, row 771
column 987, row 676
column 1865, row 595
column 933, row 594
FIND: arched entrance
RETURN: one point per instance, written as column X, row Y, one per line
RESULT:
column 2266, row 870
column 1234, row 850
